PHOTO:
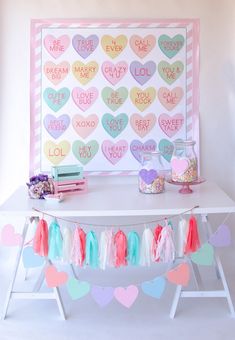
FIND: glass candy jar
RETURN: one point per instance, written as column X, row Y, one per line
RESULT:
column 184, row 165
column 151, row 174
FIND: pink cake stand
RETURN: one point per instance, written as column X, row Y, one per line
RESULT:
column 186, row 185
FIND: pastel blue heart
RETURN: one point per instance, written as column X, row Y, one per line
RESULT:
column 166, row 148
column 154, row 288
column 171, row 46
column 30, row 259
column 56, row 99
column 77, row 289
column 114, row 125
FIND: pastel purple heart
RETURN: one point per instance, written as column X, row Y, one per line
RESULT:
column 56, row 126
column 148, row 176
column 102, row 295
column 222, row 237
column 142, row 72
column 137, row 147
column 85, row 46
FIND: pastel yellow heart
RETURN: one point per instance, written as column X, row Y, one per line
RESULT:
column 142, row 98
column 55, row 153
column 84, row 72
column 113, row 46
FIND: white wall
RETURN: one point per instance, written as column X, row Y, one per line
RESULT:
column 217, row 76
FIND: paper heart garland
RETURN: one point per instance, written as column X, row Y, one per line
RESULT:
column 84, row 73
column 84, row 99
column 154, row 288
column 142, row 98
column 56, row 99
column 113, row 46
column 170, row 98
column 84, row 126
column 179, row 275
column 142, row 72
column 126, row 296
column 30, row 259
column 171, row 46
column 114, row 72
column 56, row 72
column 77, row 289
column 114, row 98
column 222, row 237
column 142, row 46
column 9, row 237
column 102, row 295
column 137, row 147
column 114, row 152
column 114, row 125
column 85, row 46
column 166, row 148
column 170, row 72
column 56, row 46
column 204, row 256
column 56, row 153
column 142, row 125
column 56, row 126
column 85, row 152
column 171, row 125
column 55, row 278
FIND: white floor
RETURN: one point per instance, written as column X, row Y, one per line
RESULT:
column 148, row 318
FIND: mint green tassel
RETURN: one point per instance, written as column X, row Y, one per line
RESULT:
column 133, row 248
column 55, row 241
column 92, row 250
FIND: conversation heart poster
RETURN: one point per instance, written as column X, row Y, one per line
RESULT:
column 103, row 92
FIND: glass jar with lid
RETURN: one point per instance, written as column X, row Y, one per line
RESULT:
column 184, row 164
column 151, row 174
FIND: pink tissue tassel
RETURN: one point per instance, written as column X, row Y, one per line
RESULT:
column 166, row 249
column 40, row 243
column 78, row 252
column 120, row 243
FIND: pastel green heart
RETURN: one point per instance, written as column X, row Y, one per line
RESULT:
column 204, row 256
column 56, row 99
column 171, row 46
column 170, row 72
column 166, row 148
column 85, row 152
column 114, row 125
column 114, row 98
column 77, row 289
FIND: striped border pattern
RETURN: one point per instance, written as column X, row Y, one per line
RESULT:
column 192, row 76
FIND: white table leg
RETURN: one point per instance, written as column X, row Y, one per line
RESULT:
column 11, row 286
column 175, row 301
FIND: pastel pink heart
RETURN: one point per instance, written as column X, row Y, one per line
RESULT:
column 114, row 151
column 114, row 72
column 126, row 296
column 142, row 125
column 142, row 45
column 56, row 72
column 56, row 46
column 55, row 278
column 171, row 125
column 179, row 166
column 179, row 275
column 9, row 237
column 84, row 126
column 170, row 98
column 84, row 98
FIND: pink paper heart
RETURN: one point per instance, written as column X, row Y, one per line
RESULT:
column 126, row 296
column 179, row 275
column 171, row 125
column 142, row 125
column 114, row 72
column 55, row 278
column 9, row 237
column 84, row 98
column 84, row 126
column 56, row 46
column 142, row 45
column 179, row 166
column 170, row 98
column 56, row 72
column 114, row 151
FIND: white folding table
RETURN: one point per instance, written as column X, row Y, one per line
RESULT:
column 112, row 196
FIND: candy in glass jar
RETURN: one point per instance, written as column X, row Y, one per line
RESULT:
column 151, row 174
column 184, row 165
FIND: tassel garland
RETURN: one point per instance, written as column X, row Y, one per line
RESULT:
column 148, row 248
column 67, row 244
column 40, row 244
column 106, row 249
column 92, row 250
column 78, row 252
column 193, row 242
column 182, row 234
column 166, row 249
column 55, row 241
column 133, row 248
column 120, row 243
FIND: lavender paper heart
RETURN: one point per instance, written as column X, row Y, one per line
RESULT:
column 137, row 147
column 148, row 176
column 56, row 126
column 102, row 295
column 142, row 72
column 85, row 46
column 222, row 237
